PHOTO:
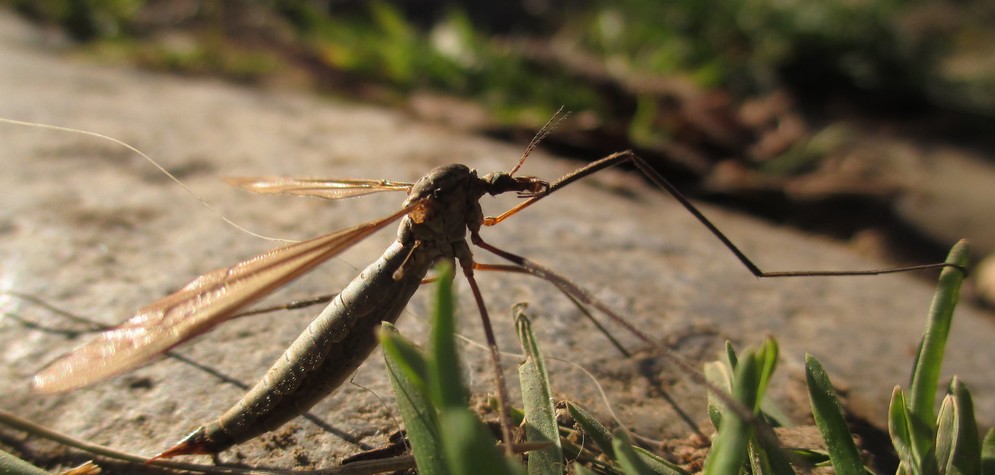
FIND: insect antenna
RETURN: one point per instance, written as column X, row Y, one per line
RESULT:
column 154, row 163
column 559, row 116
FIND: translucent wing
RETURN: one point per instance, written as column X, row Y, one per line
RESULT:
column 195, row 309
column 328, row 188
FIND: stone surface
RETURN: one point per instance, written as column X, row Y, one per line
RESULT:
column 948, row 191
column 89, row 226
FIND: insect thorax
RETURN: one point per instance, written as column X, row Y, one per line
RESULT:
column 450, row 197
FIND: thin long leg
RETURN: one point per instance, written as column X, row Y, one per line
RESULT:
column 601, row 328
column 660, row 181
column 575, row 291
column 296, row 304
column 567, row 179
column 484, row 267
column 583, row 295
column 499, row 268
column 562, row 283
column 94, row 325
column 502, row 389
column 520, row 270
column 224, row 378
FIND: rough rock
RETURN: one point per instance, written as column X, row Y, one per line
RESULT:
column 88, row 226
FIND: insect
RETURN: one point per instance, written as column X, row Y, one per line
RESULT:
column 442, row 208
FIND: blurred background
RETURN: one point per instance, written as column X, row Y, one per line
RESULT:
column 870, row 121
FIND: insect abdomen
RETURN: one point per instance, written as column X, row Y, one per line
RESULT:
column 321, row 358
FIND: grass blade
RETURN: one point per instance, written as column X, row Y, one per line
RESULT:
column 579, row 469
column 606, row 442
column 958, row 450
column 658, row 464
column 911, row 439
column 809, row 457
column 829, row 418
column 765, row 454
column 540, row 415
column 731, row 355
column 730, row 447
column 926, row 371
column 407, row 369
column 446, row 385
column 736, row 439
column 767, row 359
column 10, row 464
column 988, row 453
column 593, row 429
column 470, row 447
column 467, row 444
column 718, row 374
column 901, row 434
column 630, row 462
column 409, row 360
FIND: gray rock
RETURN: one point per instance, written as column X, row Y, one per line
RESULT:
column 90, row 227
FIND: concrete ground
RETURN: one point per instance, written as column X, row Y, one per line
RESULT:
column 88, row 226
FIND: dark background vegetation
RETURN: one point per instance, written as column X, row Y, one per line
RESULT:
column 758, row 104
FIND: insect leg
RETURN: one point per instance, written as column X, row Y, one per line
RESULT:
column 660, row 181
column 502, row 388
column 587, row 313
column 571, row 177
column 567, row 286
column 294, row 305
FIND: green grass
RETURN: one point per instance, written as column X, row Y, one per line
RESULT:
column 447, row 438
column 875, row 50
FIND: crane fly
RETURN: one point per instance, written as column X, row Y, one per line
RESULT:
column 441, row 209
